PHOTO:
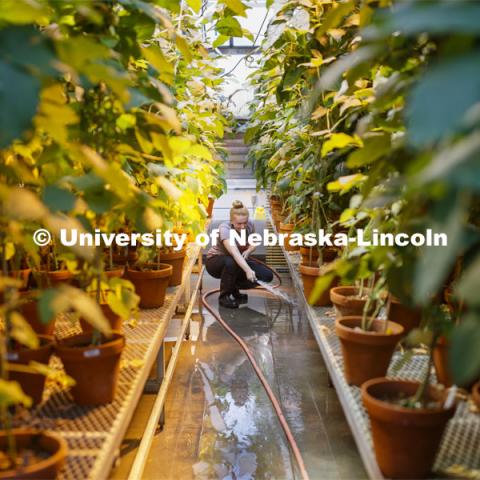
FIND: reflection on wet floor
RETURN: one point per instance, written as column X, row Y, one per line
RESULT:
column 219, row 421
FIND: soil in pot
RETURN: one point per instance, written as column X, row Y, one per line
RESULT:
column 41, row 455
column 95, row 368
column 29, row 310
column 288, row 229
column 32, row 384
column 310, row 255
column 366, row 354
column 408, row 317
column 115, row 320
column 405, row 439
column 151, row 284
column 348, row 302
column 176, row 259
column 309, row 277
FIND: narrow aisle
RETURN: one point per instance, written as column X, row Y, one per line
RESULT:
column 220, row 423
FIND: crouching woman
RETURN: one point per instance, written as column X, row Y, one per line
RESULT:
column 231, row 263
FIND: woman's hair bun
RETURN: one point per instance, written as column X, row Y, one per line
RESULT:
column 237, row 204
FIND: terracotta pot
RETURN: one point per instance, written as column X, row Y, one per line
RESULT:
column 95, row 368
column 211, row 202
column 115, row 320
column 310, row 255
column 309, row 277
column 47, row 468
column 23, row 275
column 58, row 277
column 366, row 355
column 29, row 310
column 151, row 285
column 405, row 439
column 440, row 360
column 116, row 272
column 476, row 394
column 32, row 384
column 122, row 260
column 176, row 260
column 408, row 317
column 288, row 229
column 346, row 303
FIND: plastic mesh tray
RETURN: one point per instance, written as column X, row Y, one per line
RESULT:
column 94, row 434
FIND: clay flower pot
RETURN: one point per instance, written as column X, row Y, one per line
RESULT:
column 151, row 285
column 50, row 451
column 95, row 368
column 121, row 259
column 56, row 278
column 23, row 275
column 405, row 439
column 176, row 260
column 32, row 384
column 211, row 202
column 29, row 310
column 309, row 277
column 346, row 301
column 366, row 354
column 115, row 320
column 476, row 394
column 288, row 229
column 117, row 271
column 408, row 317
column 310, row 255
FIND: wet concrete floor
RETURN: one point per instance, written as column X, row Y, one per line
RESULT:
column 219, row 421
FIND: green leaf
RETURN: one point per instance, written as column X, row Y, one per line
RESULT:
column 433, row 113
column 435, row 262
column 21, row 11
column 126, row 121
column 464, row 357
column 58, row 199
column 220, row 40
column 195, row 5
column 230, row 27
column 321, row 284
column 374, row 147
column 467, row 287
column 18, row 93
column 22, row 332
column 236, row 6
column 338, row 140
column 335, row 16
column 184, row 48
column 458, row 163
column 435, row 18
column 12, row 394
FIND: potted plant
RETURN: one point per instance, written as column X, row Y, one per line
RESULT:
column 367, row 342
column 25, row 453
column 92, row 358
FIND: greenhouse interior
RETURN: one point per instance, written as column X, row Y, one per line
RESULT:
column 239, row 239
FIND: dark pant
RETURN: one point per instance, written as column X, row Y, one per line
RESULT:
column 232, row 277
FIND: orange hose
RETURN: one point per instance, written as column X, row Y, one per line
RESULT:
column 275, row 403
